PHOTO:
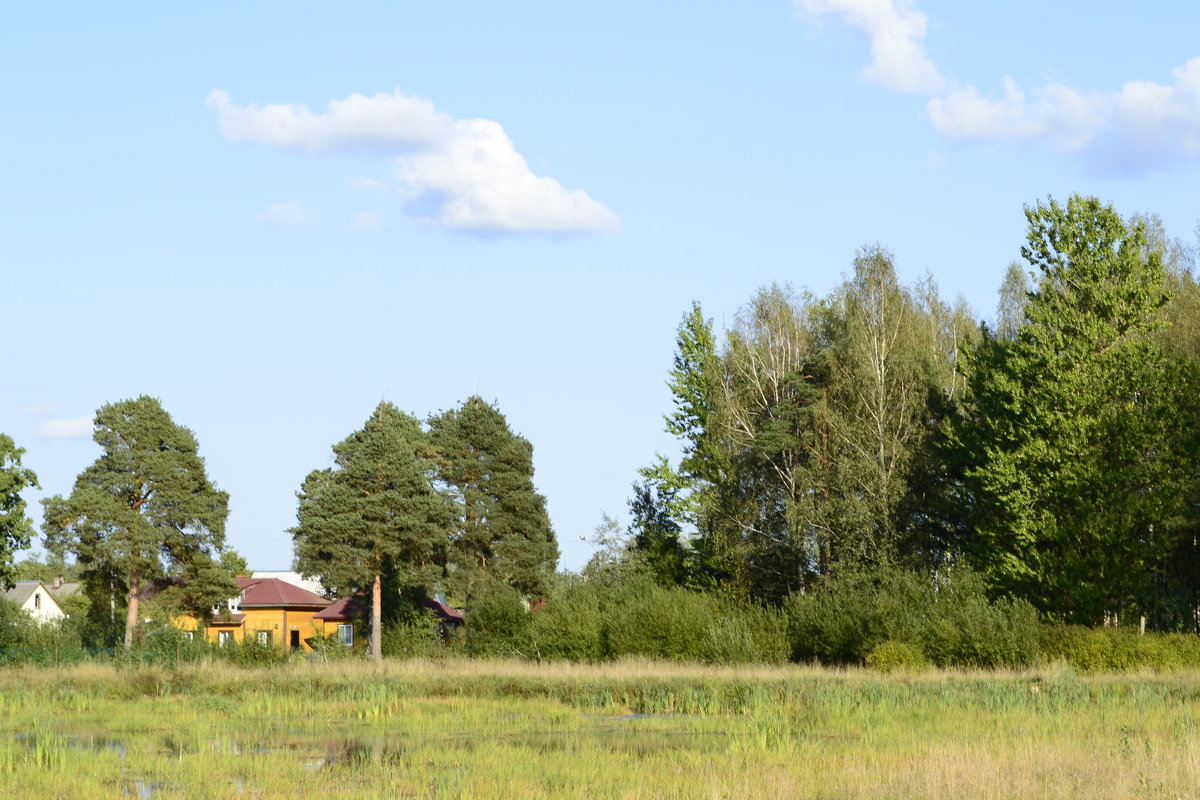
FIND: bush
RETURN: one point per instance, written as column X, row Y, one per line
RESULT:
column 892, row 655
column 1119, row 649
column 627, row 614
column 951, row 623
column 417, row 637
column 497, row 622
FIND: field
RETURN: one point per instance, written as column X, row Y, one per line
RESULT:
column 630, row 730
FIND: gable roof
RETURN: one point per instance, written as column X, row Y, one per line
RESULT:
column 20, row 593
column 355, row 606
column 274, row 593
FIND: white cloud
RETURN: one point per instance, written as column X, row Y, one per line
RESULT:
column 1142, row 125
column 896, row 30
column 73, row 428
column 287, row 214
column 460, row 173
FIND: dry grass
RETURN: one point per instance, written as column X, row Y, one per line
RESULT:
column 635, row 729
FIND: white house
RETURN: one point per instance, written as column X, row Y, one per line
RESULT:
column 34, row 597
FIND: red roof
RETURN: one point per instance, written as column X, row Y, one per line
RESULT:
column 274, row 593
column 347, row 608
column 355, row 606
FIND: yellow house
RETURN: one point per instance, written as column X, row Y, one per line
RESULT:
column 268, row 611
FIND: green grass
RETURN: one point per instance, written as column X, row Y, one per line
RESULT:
column 628, row 730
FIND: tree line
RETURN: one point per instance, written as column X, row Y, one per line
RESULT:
column 404, row 507
column 1053, row 451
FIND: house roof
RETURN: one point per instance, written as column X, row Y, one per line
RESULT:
column 23, row 591
column 274, row 593
column 355, row 606
column 345, row 609
column 227, row 619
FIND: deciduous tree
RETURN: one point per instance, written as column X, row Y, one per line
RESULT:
column 15, row 527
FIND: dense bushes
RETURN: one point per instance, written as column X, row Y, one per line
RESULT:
column 604, row 619
column 950, row 623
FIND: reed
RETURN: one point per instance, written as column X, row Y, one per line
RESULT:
column 633, row 729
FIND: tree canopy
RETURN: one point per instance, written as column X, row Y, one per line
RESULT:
column 501, row 531
column 374, row 516
column 15, row 527
column 143, row 510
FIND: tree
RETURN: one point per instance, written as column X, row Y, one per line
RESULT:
column 15, row 527
column 1073, row 427
column 373, row 514
column 502, row 529
column 144, row 509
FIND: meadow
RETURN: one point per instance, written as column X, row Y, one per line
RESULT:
column 634, row 729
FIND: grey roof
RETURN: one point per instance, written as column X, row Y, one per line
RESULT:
column 65, row 590
column 22, row 591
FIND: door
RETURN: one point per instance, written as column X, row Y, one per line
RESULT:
column 295, row 640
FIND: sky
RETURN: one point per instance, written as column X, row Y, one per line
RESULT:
column 272, row 216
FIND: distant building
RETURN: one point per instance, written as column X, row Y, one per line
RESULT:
column 294, row 578
column 269, row 611
column 34, row 597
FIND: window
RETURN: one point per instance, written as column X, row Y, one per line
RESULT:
column 223, row 637
column 264, row 637
column 37, row 601
column 346, row 635
column 189, row 635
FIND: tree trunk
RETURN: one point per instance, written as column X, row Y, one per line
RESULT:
column 131, row 616
column 376, row 620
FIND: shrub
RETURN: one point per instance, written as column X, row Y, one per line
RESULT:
column 891, row 655
column 417, row 637
column 497, row 622
column 951, row 623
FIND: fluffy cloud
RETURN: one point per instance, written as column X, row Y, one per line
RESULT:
column 896, row 31
column 287, row 214
column 459, row 173
column 74, row 428
column 1142, row 125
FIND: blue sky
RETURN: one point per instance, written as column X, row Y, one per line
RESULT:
column 274, row 215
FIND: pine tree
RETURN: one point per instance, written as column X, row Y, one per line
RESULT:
column 502, row 529
column 144, row 509
column 374, row 514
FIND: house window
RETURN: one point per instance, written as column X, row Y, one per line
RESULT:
column 189, row 635
column 37, row 602
column 346, row 635
column 223, row 637
column 264, row 637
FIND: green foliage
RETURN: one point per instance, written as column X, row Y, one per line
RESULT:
column 416, row 637
column 375, row 514
column 144, row 509
column 889, row 656
column 502, row 530
column 1119, row 649
column 951, row 623
column 1080, row 431
column 627, row 614
column 15, row 527
column 497, row 622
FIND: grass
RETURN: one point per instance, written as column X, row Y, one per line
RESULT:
column 481, row 729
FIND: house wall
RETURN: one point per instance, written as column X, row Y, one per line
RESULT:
column 43, row 606
column 279, row 623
